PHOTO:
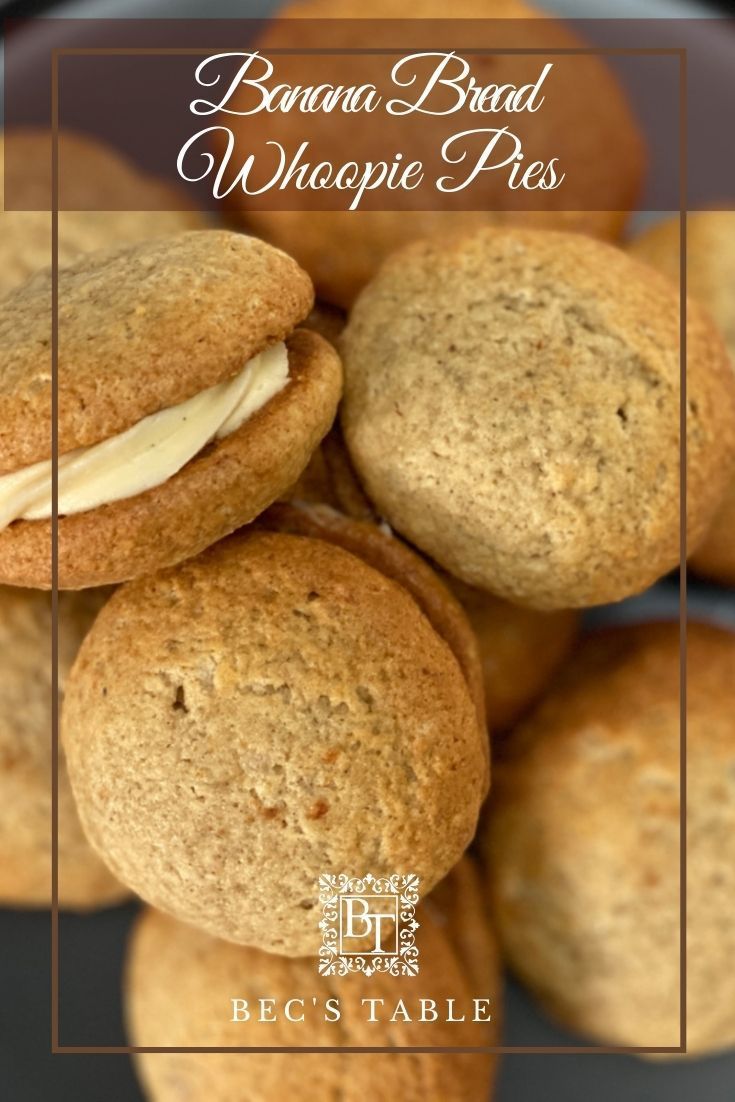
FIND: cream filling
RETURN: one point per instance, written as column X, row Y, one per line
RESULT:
column 147, row 454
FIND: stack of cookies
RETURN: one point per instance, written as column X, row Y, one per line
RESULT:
column 292, row 696
column 321, row 565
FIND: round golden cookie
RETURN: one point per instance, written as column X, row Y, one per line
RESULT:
column 94, row 177
column 342, row 249
column 512, row 407
column 711, row 279
column 520, row 650
column 142, row 329
column 267, row 712
column 25, row 758
column 583, row 841
column 180, row 984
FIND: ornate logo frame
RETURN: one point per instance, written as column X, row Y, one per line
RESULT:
column 333, row 961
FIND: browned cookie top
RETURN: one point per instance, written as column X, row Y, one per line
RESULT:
column 141, row 328
column 269, row 710
column 392, row 557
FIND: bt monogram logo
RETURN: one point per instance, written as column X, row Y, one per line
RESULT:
column 368, row 924
column 366, row 927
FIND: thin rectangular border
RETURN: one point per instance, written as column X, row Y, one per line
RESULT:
column 499, row 1050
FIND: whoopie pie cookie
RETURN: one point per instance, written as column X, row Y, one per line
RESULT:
column 188, row 401
column 276, row 708
column 342, row 249
column 25, row 758
column 180, row 983
column 512, row 407
column 583, row 840
column 711, row 279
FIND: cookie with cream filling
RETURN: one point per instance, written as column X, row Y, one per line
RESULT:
column 188, row 400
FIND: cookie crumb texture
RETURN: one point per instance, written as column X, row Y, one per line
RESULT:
column 512, row 407
column 394, row 559
column 583, row 841
column 270, row 711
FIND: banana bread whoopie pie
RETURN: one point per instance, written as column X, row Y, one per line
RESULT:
column 187, row 402
column 583, row 840
column 512, row 407
column 180, row 983
column 25, row 758
column 275, row 708
column 711, row 279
